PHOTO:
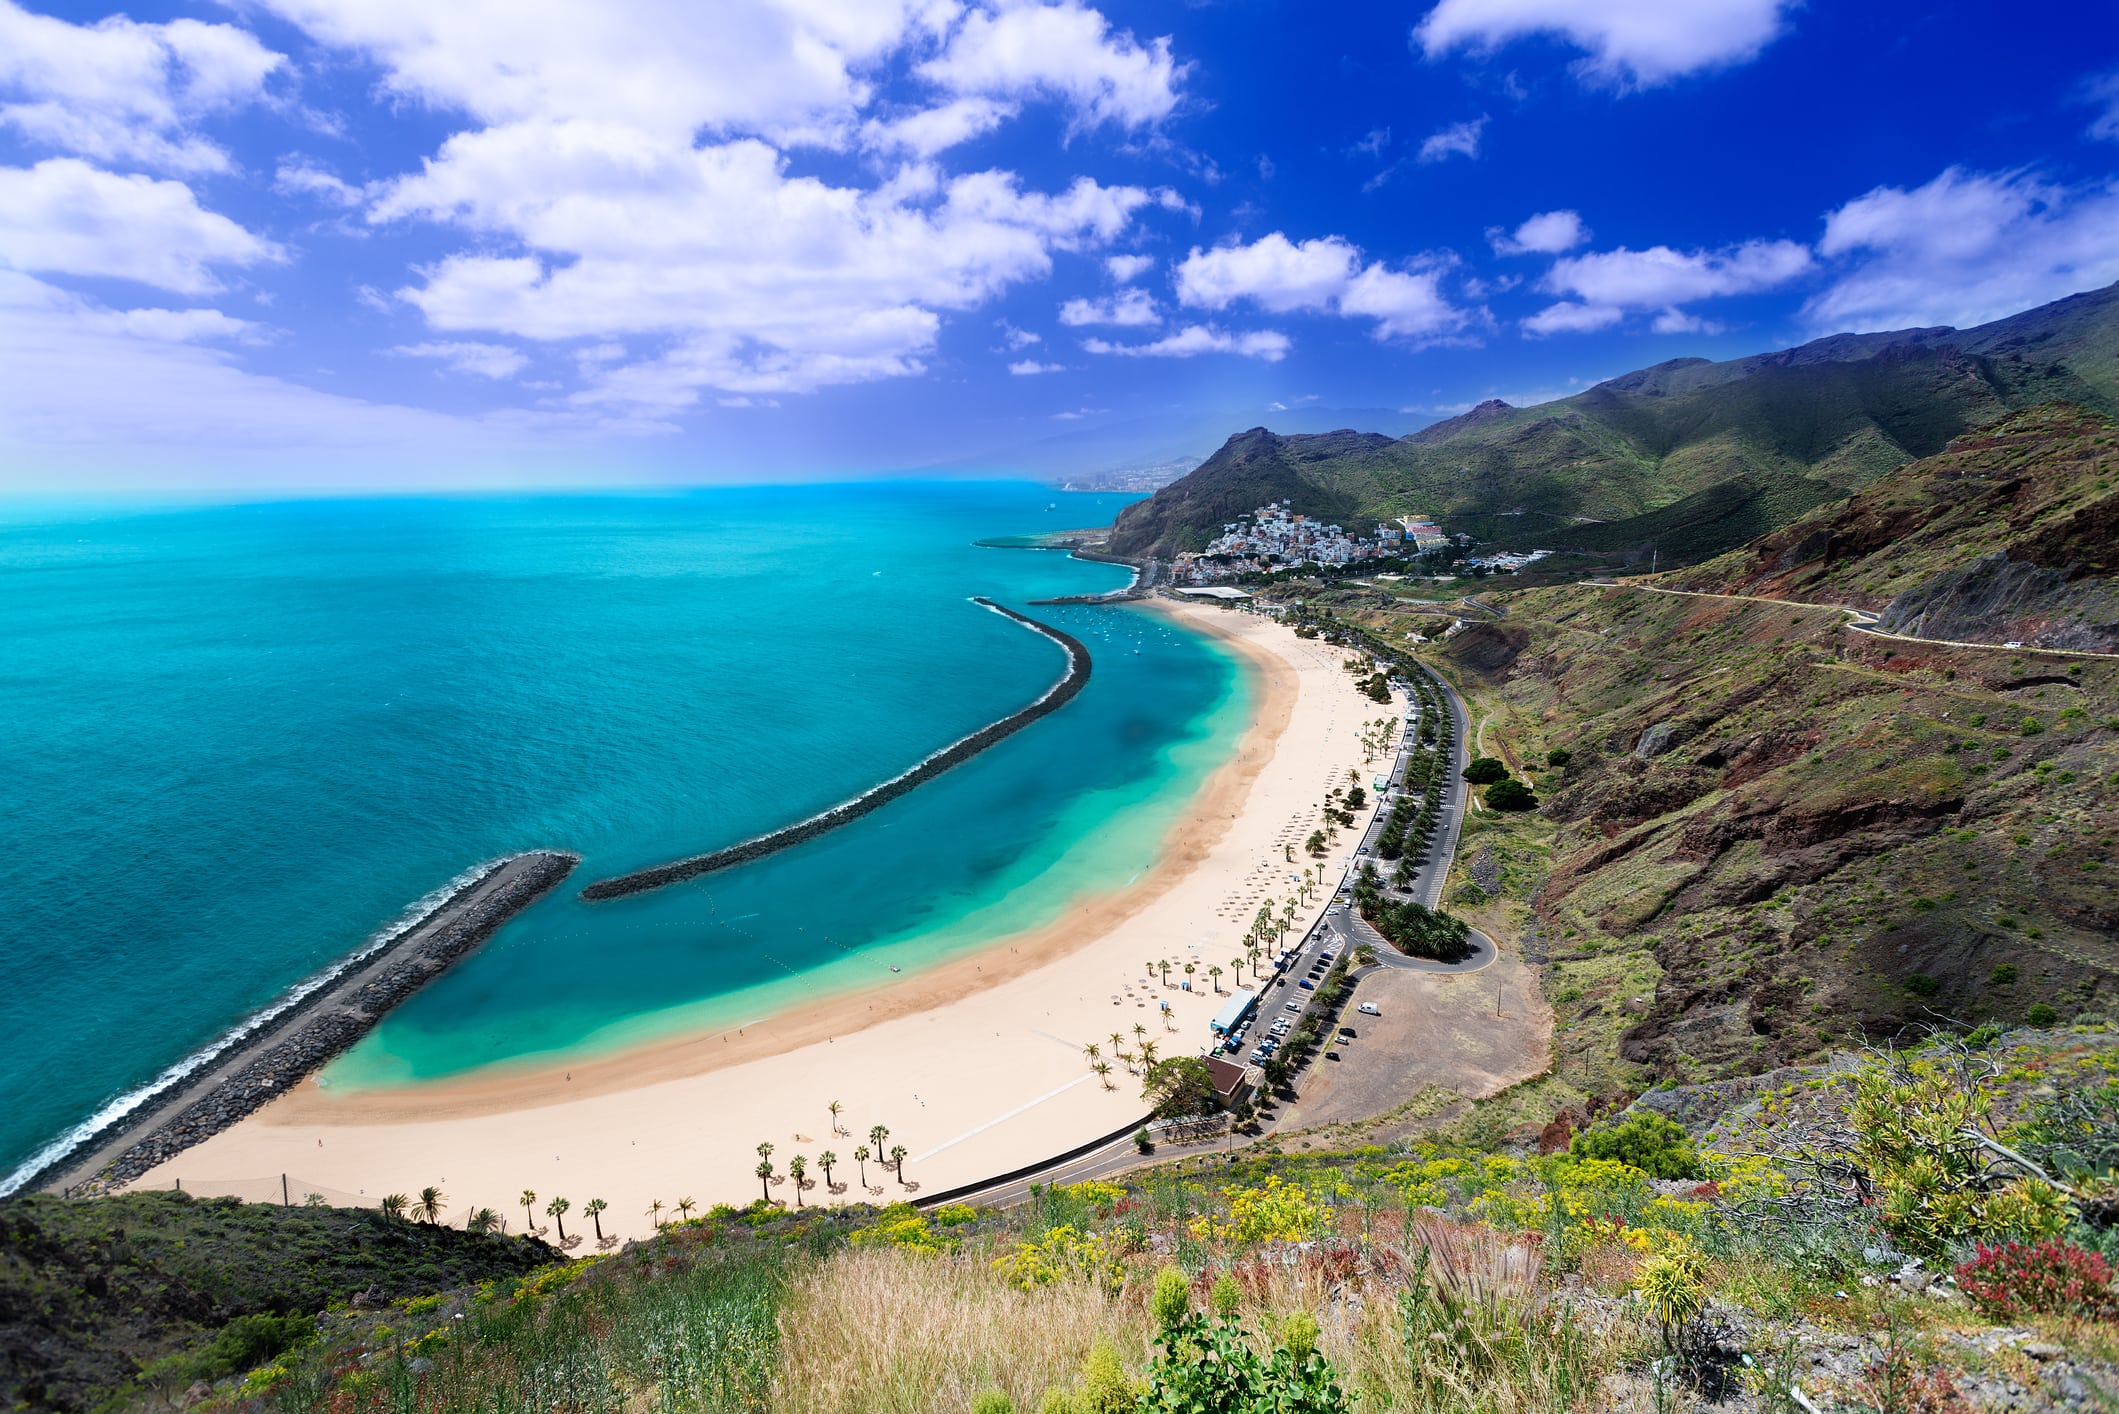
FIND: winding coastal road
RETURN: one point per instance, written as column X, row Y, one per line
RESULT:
column 1858, row 620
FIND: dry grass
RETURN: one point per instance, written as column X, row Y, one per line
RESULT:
column 888, row 1331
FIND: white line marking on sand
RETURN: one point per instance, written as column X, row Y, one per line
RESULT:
column 1000, row 1119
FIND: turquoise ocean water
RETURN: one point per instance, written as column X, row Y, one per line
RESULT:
column 239, row 740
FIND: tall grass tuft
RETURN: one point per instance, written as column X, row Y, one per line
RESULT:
column 889, row 1331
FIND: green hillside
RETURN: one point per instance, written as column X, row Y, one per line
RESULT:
column 1793, row 429
column 93, row 1294
column 2012, row 534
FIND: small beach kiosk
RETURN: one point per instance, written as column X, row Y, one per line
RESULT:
column 1235, row 1013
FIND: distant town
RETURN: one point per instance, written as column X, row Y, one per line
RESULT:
column 1275, row 538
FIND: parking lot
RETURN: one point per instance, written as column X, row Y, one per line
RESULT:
column 1466, row 1032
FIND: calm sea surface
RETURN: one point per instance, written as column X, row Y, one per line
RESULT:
column 236, row 741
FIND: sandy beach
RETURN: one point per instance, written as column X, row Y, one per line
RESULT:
column 976, row 1066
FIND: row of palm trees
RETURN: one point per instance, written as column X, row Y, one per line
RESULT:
column 873, row 1151
column 431, row 1203
column 1144, row 1056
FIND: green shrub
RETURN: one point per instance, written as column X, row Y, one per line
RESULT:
column 2003, row 975
column 1920, row 984
column 1511, row 795
column 992, row 1401
column 1652, row 1143
column 242, row 1344
column 2030, row 726
column 1558, row 756
column 1485, row 770
column 2041, row 1015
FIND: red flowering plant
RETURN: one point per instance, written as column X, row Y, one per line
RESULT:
column 2047, row 1278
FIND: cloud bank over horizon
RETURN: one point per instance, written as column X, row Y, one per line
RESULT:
column 579, row 241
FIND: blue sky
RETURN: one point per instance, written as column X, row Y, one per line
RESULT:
column 292, row 243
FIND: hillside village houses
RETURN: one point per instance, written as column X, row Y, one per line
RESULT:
column 1276, row 537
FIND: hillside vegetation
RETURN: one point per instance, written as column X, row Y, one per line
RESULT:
column 1686, row 1255
column 2010, row 534
column 1771, row 436
column 92, row 1293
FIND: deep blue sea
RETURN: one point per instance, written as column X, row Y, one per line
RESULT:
column 240, row 739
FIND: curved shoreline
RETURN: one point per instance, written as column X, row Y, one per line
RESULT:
column 272, row 1051
column 874, row 798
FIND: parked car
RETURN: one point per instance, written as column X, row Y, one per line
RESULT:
column 1347, row 1031
column 1307, row 985
column 1294, row 1006
column 1331, row 1055
column 1369, row 1009
column 1363, row 850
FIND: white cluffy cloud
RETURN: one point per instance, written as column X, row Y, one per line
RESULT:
column 1067, row 50
column 1127, row 268
column 1129, row 308
column 1195, row 339
column 493, row 361
column 1548, row 233
column 65, row 217
column 1030, row 368
column 1963, row 249
column 1605, row 286
column 625, row 176
column 937, row 129
column 1322, row 275
column 1456, row 140
column 1628, row 43
column 120, row 91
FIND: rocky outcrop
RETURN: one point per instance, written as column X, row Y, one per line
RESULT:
column 1656, row 740
column 1996, row 599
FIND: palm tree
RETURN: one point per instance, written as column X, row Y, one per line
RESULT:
column 1103, row 1072
column 1190, row 968
column 684, row 1208
column 1140, row 1031
column 594, row 1208
column 860, row 1156
column 796, row 1167
column 529, row 1213
column 1166, row 972
column 1151, row 972
column 1092, row 1052
column 1215, row 973
column 897, row 1160
column 482, row 1220
column 1147, row 1054
column 558, row 1209
column 1117, row 1039
column 394, row 1205
column 824, row 1161
column 765, row 1151
column 1236, row 969
column 431, row 1202
column 654, row 1214
column 764, row 1170
column 876, row 1137
column 835, row 1107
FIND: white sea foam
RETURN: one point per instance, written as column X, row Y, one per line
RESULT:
column 126, row 1104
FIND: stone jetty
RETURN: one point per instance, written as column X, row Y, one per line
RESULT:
column 294, row 1044
column 954, row 754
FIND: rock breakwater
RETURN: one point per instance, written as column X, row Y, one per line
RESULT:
column 954, row 754
column 293, row 1043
